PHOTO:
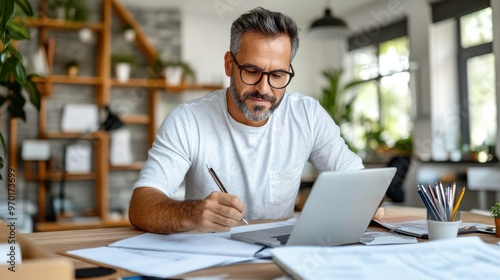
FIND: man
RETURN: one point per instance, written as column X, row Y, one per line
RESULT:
column 255, row 135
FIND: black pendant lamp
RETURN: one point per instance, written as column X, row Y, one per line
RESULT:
column 329, row 26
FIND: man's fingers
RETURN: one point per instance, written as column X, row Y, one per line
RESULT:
column 229, row 200
column 218, row 212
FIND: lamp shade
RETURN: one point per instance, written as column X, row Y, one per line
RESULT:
column 329, row 26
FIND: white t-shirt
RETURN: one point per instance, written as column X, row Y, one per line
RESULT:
column 261, row 165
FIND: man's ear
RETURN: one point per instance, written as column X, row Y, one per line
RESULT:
column 228, row 62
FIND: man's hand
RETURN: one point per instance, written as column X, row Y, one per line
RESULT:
column 153, row 211
column 218, row 212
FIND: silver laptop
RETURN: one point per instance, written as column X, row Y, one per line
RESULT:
column 338, row 210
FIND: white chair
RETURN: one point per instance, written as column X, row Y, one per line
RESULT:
column 484, row 179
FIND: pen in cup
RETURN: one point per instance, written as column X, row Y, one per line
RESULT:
column 220, row 185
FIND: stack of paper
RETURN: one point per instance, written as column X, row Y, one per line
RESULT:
column 459, row 258
column 162, row 255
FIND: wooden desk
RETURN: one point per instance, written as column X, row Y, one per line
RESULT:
column 61, row 241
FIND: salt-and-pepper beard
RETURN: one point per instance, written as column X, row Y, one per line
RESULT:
column 256, row 113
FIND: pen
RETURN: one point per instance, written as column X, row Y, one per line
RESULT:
column 220, row 185
column 455, row 210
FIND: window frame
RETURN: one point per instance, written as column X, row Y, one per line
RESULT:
column 384, row 34
column 464, row 54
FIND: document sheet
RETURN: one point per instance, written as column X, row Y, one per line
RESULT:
column 162, row 255
column 152, row 263
column 458, row 258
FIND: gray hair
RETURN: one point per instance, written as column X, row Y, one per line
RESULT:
column 267, row 23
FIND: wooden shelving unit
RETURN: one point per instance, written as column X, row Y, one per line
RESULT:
column 102, row 82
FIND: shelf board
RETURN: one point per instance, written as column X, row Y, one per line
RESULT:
column 75, row 80
column 161, row 84
column 71, row 135
column 53, row 176
column 136, row 119
column 78, row 80
column 72, row 225
column 57, row 176
column 127, row 167
column 61, row 24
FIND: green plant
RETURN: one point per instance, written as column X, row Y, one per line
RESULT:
column 77, row 10
column 122, row 57
column 188, row 71
column 334, row 98
column 495, row 210
column 127, row 26
column 71, row 63
column 13, row 76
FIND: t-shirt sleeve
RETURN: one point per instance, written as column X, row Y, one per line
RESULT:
column 169, row 157
column 329, row 151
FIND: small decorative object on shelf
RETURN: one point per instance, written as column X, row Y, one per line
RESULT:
column 176, row 72
column 72, row 68
column 128, row 32
column 123, row 63
column 495, row 213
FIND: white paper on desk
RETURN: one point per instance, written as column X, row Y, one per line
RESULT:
column 202, row 243
column 386, row 238
column 458, row 258
column 152, row 263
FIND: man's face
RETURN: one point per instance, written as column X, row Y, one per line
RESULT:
column 253, row 104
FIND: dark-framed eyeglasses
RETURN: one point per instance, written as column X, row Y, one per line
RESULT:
column 252, row 75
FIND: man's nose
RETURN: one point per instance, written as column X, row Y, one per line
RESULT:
column 263, row 85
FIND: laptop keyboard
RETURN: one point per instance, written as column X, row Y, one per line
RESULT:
column 282, row 238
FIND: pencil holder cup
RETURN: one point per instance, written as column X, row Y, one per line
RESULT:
column 442, row 230
column 457, row 216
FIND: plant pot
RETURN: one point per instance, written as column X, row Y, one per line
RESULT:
column 129, row 35
column 173, row 75
column 73, row 71
column 85, row 35
column 497, row 227
column 122, row 72
column 60, row 13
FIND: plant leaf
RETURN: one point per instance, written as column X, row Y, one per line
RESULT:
column 6, row 14
column 33, row 93
column 14, row 52
column 25, row 6
column 5, row 71
column 17, row 102
column 3, row 55
column 18, row 31
column 19, row 71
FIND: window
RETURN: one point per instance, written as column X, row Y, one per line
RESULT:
column 476, row 65
column 382, row 107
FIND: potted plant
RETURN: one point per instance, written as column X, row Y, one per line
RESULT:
column 495, row 213
column 13, row 76
column 128, row 32
column 123, row 63
column 77, row 10
column 72, row 68
column 175, row 71
column 57, row 9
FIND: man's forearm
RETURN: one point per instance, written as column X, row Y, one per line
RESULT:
column 152, row 211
